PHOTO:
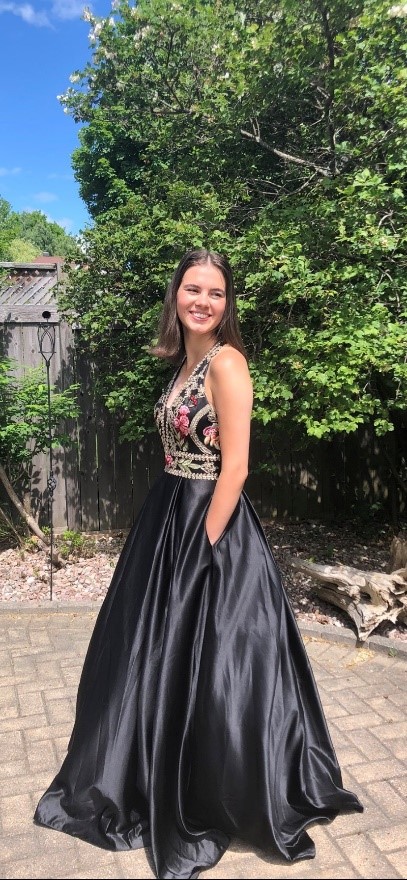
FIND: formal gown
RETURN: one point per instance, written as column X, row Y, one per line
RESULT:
column 198, row 718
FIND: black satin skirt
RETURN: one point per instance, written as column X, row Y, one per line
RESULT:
column 198, row 717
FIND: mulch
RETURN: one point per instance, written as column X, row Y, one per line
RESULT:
column 25, row 574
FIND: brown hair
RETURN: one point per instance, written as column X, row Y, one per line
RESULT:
column 170, row 342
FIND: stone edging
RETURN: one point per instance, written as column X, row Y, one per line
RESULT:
column 343, row 635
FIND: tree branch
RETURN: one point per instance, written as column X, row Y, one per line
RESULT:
column 328, row 95
column 327, row 31
column 11, row 527
column 286, row 156
column 26, row 516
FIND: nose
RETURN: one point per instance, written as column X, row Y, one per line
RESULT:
column 202, row 298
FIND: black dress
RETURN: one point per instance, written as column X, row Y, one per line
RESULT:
column 198, row 717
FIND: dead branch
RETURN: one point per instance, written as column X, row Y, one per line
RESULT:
column 369, row 597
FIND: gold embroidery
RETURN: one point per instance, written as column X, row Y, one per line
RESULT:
column 188, row 427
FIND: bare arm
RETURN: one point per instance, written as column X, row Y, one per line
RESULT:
column 232, row 394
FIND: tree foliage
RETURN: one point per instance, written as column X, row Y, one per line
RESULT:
column 8, row 228
column 26, row 235
column 24, row 420
column 22, row 251
column 274, row 131
column 45, row 235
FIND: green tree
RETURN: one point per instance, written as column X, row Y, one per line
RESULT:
column 25, row 235
column 8, row 228
column 21, row 251
column 274, row 131
column 24, row 430
column 45, row 235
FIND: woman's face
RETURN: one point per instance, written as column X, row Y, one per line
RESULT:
column 201, row 300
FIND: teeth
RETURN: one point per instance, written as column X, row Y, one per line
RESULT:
column 199, row 315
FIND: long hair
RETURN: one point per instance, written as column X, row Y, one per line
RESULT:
column 170, row 343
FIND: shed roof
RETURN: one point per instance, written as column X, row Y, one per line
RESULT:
column 27, row 290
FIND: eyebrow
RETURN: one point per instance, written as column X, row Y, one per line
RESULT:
column 212, row 289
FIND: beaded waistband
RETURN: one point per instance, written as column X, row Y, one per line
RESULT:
column 192, row 465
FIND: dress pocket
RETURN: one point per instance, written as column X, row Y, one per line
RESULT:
column 227, row 528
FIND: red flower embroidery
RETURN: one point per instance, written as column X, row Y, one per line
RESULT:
column 212, row 436
column 181, row 421
column 169, row 460
column 194, row 400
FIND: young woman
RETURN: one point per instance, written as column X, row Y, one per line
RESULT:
column 198, row 718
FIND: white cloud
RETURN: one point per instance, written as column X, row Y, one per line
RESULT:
column 56, row 176
column 67, row 9
column 63, row 10
column 66, row 223
column 5, row 172
column 45, row 197
column 27, row 13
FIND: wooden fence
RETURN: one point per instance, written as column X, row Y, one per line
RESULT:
column 101, row 483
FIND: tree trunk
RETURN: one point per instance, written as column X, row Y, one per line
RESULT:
column 32, row 524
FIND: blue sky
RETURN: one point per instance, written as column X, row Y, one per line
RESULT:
column 42, row 43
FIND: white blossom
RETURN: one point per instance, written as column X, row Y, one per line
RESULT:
column 95, row 31
column 399, row 11
column 74, row 77
column 87, row 15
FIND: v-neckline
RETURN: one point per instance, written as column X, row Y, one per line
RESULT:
column 184, row 384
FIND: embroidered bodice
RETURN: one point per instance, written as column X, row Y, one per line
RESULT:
column 188, row 426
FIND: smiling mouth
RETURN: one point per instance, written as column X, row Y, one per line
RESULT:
column 200, row 314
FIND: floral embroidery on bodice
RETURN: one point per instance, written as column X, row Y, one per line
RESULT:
column 188, row 426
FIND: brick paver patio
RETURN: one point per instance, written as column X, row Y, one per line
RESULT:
column 364, row 696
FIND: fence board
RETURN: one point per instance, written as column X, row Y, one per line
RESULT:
column 123, row 478
column 105, row 466
column 87, row 448
column 147, row 463
column 72, row 517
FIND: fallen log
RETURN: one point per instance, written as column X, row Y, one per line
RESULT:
column 369, row 597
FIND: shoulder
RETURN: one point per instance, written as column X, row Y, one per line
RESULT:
column 229, row 368
column 227, row 361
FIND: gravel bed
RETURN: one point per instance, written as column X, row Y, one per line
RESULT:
column 25, row 576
